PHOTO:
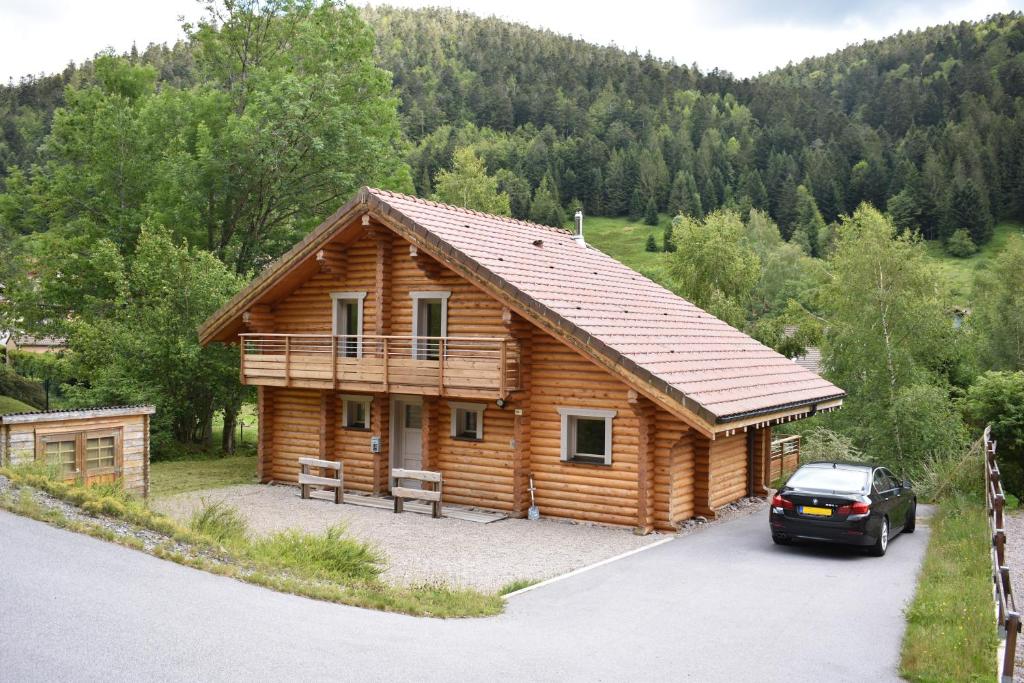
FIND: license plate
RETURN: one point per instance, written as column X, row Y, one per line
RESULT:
column 817, row 512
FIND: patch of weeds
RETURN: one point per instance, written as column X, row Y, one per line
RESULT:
column 219, row 522
column 517, row 585
column 330, row 556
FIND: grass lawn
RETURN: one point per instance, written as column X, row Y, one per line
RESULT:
column 13, row 405
column 626, row 240
column 168, row 477
column 951, row 630
column 959, row 273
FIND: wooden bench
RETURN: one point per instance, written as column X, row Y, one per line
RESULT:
column 306, row 479
column 432, row 495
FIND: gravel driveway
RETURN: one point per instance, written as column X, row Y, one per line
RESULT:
column 421, row 549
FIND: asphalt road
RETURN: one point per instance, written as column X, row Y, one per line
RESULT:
column 722, row 604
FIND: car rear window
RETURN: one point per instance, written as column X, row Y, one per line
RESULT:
column 829, row 479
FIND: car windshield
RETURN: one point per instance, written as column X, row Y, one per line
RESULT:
column 829, row 479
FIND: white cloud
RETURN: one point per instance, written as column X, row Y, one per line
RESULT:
column 746, row 39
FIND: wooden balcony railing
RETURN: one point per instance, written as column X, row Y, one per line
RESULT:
column 784, row 458
column 462, row 366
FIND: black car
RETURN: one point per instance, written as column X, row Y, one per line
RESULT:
column 846, row 503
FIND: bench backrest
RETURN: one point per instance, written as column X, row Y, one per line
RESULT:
column 416, row 475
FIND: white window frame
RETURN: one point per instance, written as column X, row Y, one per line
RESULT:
column 358, row 297
column 367, row 401
column 568, row 416
column 477, row 408
column 417, row 297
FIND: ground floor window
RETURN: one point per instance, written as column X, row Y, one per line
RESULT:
column 356, row 412
column 76, row 454
column 587, row 435
column 468, row 420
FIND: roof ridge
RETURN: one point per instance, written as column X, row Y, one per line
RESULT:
column 51, row 411
column 463, row 209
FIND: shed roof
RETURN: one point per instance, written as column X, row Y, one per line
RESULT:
column 75, row 414
column 606, row 308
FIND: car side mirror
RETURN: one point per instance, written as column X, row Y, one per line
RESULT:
column 905, row 484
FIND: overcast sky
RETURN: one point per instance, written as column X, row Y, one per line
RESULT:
column 745, row 37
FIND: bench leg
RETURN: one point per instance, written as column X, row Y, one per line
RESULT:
column 339, row 495
column 305, row 491
column 398, row 505
column 437, row 509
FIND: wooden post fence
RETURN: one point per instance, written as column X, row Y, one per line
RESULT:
column 1008, row 618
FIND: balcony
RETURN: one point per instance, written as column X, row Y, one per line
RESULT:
column 475, row 367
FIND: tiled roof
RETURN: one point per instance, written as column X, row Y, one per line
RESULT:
column 726, row 372
column 810, row 360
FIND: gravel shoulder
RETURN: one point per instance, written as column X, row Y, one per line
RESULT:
column 420, row 549
column 1014, row 525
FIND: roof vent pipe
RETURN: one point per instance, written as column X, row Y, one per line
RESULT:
column 579, row 228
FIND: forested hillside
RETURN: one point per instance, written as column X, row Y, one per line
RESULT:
column 922, row 124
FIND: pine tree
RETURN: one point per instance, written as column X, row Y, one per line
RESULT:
column 651, row 212
column 684, row 198
column 636, row 206
column 652, row 244
column 809, row 222
column 967, row 210
column 545, row 207
column 667, row 241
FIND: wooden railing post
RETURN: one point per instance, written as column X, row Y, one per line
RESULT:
column 334, row 361
column 441, row 360
column 502, row 368
column 287, row 360
column 241, row 361
column 1010, row 652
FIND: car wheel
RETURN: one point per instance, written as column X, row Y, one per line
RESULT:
column 781, row 540
column 908, row 528
column 878, row 549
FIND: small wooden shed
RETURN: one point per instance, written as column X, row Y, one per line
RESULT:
column 93, row 445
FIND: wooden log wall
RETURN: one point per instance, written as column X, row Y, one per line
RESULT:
column 471, row 312
column 729, row 461
column 308, row 308
column 522, row 332
column 597, row 493
column 296, row 431
column 265, row 444
column 646, row 416
column 352, row 447
column 478, row 473
column 380, row 426
column 674, row 471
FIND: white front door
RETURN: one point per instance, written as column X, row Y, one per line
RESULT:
column 407, row 425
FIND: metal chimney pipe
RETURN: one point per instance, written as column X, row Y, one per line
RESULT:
column 579, row 228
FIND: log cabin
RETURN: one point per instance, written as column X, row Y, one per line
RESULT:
column 403, row 333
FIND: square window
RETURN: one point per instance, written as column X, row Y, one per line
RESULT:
column 587, row 435
column 99, row 453
column 356, row 413
column 62, row 454
column 468, row 421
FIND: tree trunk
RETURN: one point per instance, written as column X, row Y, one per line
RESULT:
column 227, row 439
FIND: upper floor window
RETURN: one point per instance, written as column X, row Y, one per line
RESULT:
column 429, row 322
column 347, row 322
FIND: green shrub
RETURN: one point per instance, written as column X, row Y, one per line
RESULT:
column 822, row 444
column 944, row 475
column 960, row 244
column 20, row 388
column 220, row 522
column 652, row 244
column 330, row 556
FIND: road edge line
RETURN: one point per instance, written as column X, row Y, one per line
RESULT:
column 587, row 568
